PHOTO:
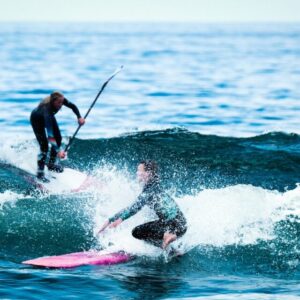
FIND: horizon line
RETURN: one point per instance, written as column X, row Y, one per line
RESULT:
column 157, row 21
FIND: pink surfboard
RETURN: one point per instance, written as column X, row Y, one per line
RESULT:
column 77, row 259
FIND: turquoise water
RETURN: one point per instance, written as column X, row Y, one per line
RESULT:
column 215, row 105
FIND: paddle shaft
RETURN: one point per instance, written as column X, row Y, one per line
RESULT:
column 92, row 105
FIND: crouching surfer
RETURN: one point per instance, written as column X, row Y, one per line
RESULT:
column 43, row 117
column 171, row 223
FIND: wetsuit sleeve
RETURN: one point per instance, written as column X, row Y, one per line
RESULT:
column 75, row 109
column 131, row 210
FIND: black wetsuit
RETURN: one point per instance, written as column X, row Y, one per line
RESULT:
column 171, row 219
column 43, row 117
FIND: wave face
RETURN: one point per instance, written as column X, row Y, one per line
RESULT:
column 190, row 160
column 240, row 197
column 190, row 96
column 187, row 160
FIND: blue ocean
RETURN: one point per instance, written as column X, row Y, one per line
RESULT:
column 215, row 105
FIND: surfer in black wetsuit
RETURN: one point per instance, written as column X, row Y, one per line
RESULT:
column 171, row 222
column 43, row 117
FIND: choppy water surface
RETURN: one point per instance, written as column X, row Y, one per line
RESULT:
column 220, row 79
column 215, row 105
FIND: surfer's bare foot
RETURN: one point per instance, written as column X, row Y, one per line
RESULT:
column 168, row 238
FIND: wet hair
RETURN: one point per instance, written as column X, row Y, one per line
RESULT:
column 50, row 99
column 150, row 167
column 55, row 95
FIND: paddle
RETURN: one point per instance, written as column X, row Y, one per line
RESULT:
column 92, row 105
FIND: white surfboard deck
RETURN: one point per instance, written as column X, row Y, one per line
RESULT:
column 68, row 181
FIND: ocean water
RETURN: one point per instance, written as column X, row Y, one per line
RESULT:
column 216, row 105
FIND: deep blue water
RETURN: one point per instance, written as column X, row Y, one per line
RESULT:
column 217, row 106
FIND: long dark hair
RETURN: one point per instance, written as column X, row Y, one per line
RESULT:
column 55, row 95
column 152, row 168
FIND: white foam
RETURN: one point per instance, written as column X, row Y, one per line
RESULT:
column 20, row 152
column 240, row 215
column 235, row 215
column 23, row 154
column 118, row 192
column 9, row 197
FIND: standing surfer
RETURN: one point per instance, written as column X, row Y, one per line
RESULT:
column 43, row 117
column 171, row 222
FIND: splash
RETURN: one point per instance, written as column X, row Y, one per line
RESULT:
column 21, row 153
column 237, row 215
column 10, row 198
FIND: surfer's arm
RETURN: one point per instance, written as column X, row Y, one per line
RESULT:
column 108, row 223
column 104, row 226
column 131, row 210
column 60, row 153
column 126, row 213
column 75, row 109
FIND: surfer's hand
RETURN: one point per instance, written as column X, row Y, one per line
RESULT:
column 81, row 121
column 103, row 226
column 116, row 223
column 61, row 154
